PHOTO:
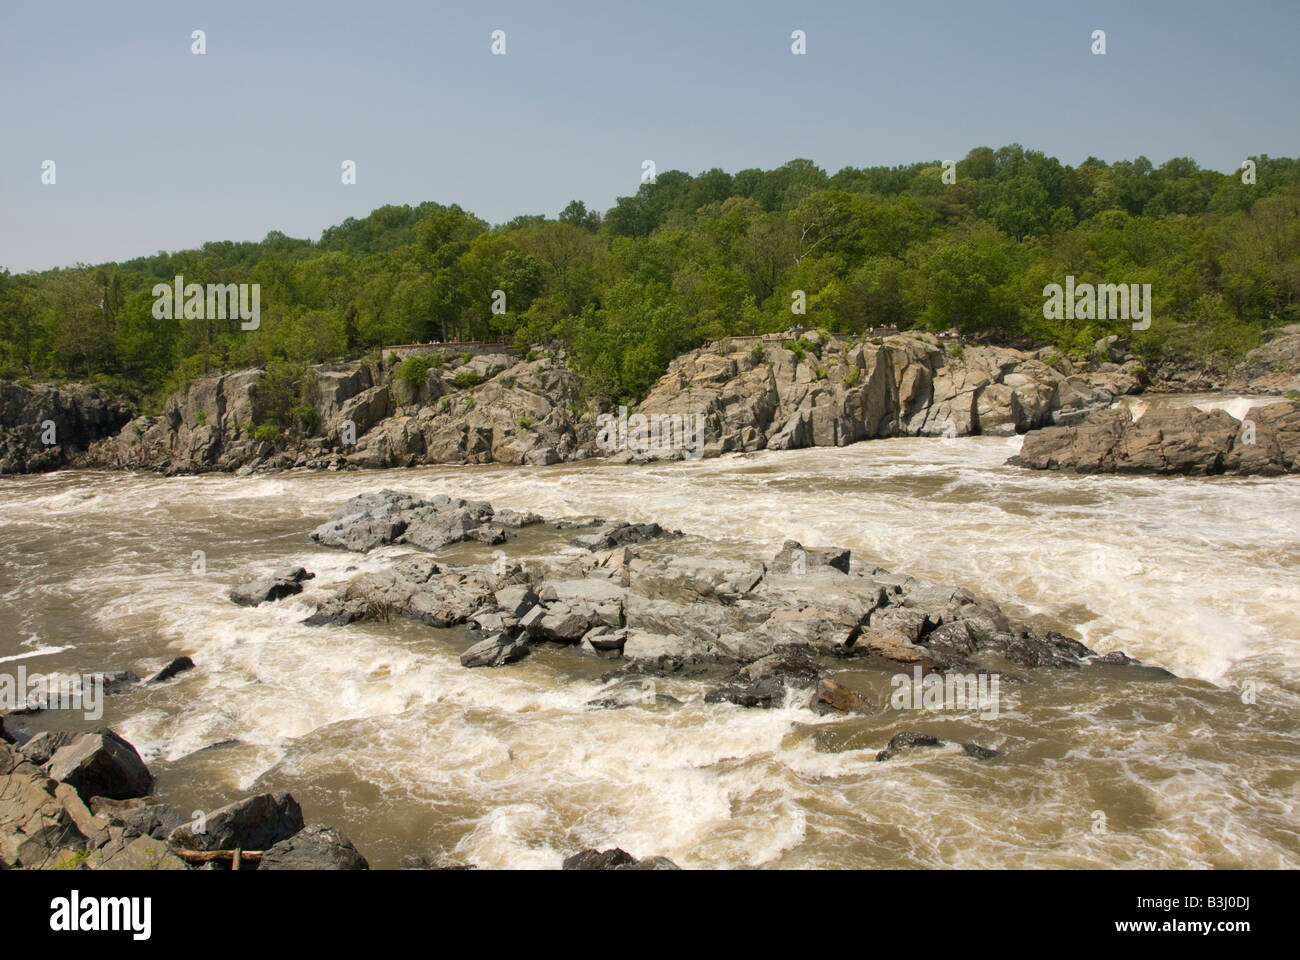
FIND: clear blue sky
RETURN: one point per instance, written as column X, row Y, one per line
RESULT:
column 158, row 149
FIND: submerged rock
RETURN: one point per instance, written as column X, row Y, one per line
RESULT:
column 909, row 740
column 177, row 666
column 281, row 584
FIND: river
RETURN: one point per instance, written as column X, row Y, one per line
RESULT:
column 377, row 728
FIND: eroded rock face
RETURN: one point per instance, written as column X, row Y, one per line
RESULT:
column 504, row 409
column 71, row 418
column 1273, row 367
column 904, row 385
column 1171, row 440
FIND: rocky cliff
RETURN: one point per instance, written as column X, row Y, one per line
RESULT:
column 746, row 394
column 749, row 394
column 46, row 427
column 757, row 394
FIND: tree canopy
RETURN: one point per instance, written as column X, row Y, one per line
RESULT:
column 688, row 259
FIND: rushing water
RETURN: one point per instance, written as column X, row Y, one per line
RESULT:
column 377, row 729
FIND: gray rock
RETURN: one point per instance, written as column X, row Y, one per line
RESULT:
column 42, row 747
column 101, row 764
column 282, row 583
column 254, row 823
column 494, row 652
column 314, row 847
column 155, row 820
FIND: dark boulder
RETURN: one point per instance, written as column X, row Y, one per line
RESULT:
column 101, row 764
column 615, row 859
column 314, row 847
column 254, row 823
column 179, row 665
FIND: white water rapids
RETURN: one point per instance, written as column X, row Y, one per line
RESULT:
column 377, row 728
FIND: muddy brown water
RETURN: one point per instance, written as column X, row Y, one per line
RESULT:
column 377, row 728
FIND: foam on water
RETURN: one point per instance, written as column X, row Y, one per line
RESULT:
column 514, row 769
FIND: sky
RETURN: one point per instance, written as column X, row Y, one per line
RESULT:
column 157, row 148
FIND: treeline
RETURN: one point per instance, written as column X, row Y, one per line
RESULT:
column 689, row 259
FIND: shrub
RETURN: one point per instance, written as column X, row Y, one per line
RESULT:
column 414, row 371
column 821, row 373
column 202, row 418
column 306, row 417
column 956, row 350
column 468, row 378
column 525, row 422
column 530, row 356
column 758, row 354
column 266, row 433
column 853, row 376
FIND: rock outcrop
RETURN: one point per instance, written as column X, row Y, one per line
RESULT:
column 46, row 427
column 1271, row 368
column 1171, row 440
column 758, row 395
column 87, row 808
column 755, row 628
column 751, row 394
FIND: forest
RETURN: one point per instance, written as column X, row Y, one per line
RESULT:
column 689, row 259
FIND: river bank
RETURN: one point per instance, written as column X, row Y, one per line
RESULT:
column 742, row 395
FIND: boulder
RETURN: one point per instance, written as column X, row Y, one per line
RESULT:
column 101, row 764
column 494, row 652
column 832, row 697
column 314, row 847
column 254, row 823
column 615, row 859
column 42, row 747
column 177, row 666
column 282, row 583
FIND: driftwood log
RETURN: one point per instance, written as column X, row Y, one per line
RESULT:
column 236, row 857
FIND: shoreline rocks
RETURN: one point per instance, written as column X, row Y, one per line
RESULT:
column 1175, row 440
column 88, row 807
